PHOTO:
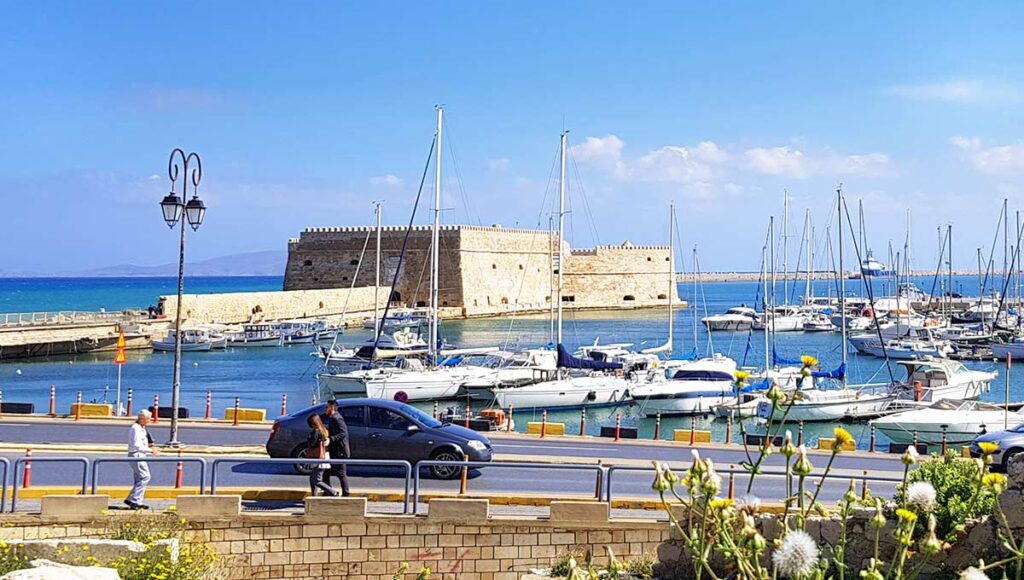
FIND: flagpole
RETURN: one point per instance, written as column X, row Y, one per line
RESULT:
column 1006, row 399
column 117, row 403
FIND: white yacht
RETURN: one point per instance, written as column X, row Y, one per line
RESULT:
column 941, row 378
column 192, row 340
column 908, row 348
column 962, row 421
column 782, row 319
column 296, row 331
column 517, row 368
column 254, row 335
column 691, row 388
column 833, row 404
column 735, row 319
column 409, row 380
column 818, row 323
column 399, row 318
column 568, row 392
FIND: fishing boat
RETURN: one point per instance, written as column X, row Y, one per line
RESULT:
column 693, row 387
column 192, row 340
column 296, row 331
column 960, row 421
column 399, row 318
column 933, row 379
column 819, row 323
column 738, row 318
column 254, row 335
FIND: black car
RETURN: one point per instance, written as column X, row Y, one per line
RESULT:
column 381, row 429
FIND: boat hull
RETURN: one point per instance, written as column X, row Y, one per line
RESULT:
column 254, row 342
column 166, row 346
column 832, row 407
column 570, row 393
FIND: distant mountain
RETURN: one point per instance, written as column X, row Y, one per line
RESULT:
column 268, row 263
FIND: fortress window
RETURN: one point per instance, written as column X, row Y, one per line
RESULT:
column 547, row 299
column 444, row 303
column 649, row 258
column 504, row 300
column 353, row 263
column 308, row 263
column 321, row 304
column 629, row 297
column 343, row 278
column 520, row 266
column 662, row 296
column 494, row 266
column 569, row 298
column 666, row 259
column 420, row 303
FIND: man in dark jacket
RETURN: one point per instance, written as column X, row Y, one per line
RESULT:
column 337, row 444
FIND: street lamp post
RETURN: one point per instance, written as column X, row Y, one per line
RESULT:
column 190, row 168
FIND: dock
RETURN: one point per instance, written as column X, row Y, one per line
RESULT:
column 36, row 334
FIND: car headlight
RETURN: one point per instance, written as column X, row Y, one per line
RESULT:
column 477, row 445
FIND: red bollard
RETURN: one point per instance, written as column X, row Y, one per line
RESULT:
column 26, row 479
column 583, row 421
column 693, row 430
column 943, row 440
column 237, row 402
column 871, row 446
column 128, row 405
column 209, row 405
column 800, row 435
column 466, row 417
column 915, row 439
column 180, row 473
column 156, row 408
column 618, row 424
column 78, row 406
column 284, row 404
column 657, row 426
column 543, row 423
column 508, row 420
column 728, row 429
column 53, row 400
column 732, row 483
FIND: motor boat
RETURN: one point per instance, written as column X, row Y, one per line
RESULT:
column 621, row 354
column 255, row 335
column 517, row 368
column 782, row 319
column 908, row 348
column 821, row 404
column 1014, row 348
column 567, row 392
column 296, row 331
column 969, row 334
column 691, row 388
column 819, row 323
column 408, row 380
column 390, row 345
column 961, row 421
column 872, row 267
column 192, row 340
column 933, row 379
column 399, row 318
column 869, row 341
column 735, row 319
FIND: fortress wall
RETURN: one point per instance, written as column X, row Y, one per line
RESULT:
column 604, row 277
column 237, row 307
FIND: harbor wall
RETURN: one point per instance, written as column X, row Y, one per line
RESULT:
column 240, row 307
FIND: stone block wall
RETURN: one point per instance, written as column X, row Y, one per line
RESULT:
column 238, row 307
column 618, row 277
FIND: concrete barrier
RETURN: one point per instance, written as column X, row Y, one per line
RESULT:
column 72, row 507
column 458, row 509
column 683, row 436
column 332, row 508
column 245, row 414
column 534, row 427
column 579, row 511
column 826, row 443
column 208, row 506
column 93, row 409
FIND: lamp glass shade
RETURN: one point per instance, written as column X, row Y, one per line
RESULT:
column 195, row 211
column 171, row 206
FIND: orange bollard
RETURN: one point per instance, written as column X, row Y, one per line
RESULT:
column 943, row 440
column 544, row 423
column 128, row 405
column 693, row 430
column 284, row 404
column 465, row 481
column 871, row 446
column 209, row 405
column 78, row 406
column 864, row 487
column 237, row 402
column 53, row 400
column 466, row 417
column 508, row 420
column 657, row 426
column 156, row 408
column 26, row 479
column 180, row 473
column 618, row 424
column 583, row 421
column 728, row 429
column 732, row 483
column 800, row 435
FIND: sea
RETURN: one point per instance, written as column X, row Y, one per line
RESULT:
column 259, row 377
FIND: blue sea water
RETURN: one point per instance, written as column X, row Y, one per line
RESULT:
column 260, row 376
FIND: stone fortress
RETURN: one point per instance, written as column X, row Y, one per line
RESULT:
column 484, row 271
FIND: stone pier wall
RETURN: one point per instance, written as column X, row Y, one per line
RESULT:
column 238, row 307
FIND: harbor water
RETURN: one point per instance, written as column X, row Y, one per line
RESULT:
column 259, row 377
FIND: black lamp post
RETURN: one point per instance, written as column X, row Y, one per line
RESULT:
column 190, row 168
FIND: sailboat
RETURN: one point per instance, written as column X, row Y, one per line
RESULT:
column 580, row 382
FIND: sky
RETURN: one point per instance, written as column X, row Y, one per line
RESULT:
column 306, row 113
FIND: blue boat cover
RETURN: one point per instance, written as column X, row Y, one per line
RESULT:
column 567, row 361
column 691, row 356
column 685, row 375
column 764, row 385
column 784, row 361
column 839, row 373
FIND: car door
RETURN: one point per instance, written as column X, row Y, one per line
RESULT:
column 389, row 437
column 355, row 421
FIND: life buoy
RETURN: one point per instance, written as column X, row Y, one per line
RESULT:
column 402, row 397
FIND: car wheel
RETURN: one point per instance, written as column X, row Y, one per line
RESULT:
column 298, row 453
column 1007, row 457
column 445, row 471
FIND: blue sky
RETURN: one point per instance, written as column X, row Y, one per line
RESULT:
column 306, row 112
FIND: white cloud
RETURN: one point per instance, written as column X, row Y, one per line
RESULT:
column 790, row 162
column 667, row 164
column 500, row 164
column 389, row 181
column 995, row 160
column 958, row 91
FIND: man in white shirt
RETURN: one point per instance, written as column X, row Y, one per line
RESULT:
column 138, row 446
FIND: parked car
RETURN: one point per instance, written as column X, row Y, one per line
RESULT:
column 379, row 429
column 1011, row 442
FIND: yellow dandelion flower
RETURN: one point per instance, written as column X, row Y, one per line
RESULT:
column 843, row 439
column 996, row 481
column 906, row 516
column 808, row 361
column 742, row 376
column 721, row 503
column 988, row 447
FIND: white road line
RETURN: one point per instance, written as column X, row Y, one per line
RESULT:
column 545, row 447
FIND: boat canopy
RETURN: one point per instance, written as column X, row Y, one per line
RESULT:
column 776, row 359
column 762, row 385
column 701, row 375
column 692, row 355
column 839, row 373
column 568, row 361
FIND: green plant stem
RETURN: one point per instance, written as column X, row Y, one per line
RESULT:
column 821, row 482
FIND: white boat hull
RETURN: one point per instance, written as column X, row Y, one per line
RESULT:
column 831, row 405
column 254, row 342
column 671, row 397
column 1014, row 349
column 566, row 393
column 166, row 346
column 396, row 384
column 727, row 324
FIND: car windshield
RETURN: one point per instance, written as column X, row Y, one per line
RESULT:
column 1018, row 428
column 421, row 417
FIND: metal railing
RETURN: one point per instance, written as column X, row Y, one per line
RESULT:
column 101, row 460
column 64, row 317
column 22, row 460
column 405, row 465
column 6, row 463
column 599, row 470
column 864, row 478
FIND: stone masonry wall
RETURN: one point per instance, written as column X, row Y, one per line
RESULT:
column 237, row 307
column 623, row 276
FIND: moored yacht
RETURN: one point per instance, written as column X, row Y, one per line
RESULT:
column 961, row 421
column 192, row 340
column 693, row 387
column 736, row 319
column 254, row 335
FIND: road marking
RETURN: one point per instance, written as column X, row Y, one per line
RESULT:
column 544, row 447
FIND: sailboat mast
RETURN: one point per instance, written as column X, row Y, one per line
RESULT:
column 696, row 281
column 551, row 278
column 809, row 236
column 671, row 269
column 376, row 285
column 436, row 242
column 764, row 305
column 785, row 248
column 561, row 232
column 842, row 278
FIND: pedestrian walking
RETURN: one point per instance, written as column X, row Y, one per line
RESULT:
column 140, row 445
column 317, row 446
column 337, row 444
